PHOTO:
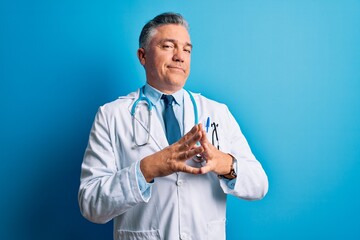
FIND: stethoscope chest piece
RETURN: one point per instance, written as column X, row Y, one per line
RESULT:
column 198, row 158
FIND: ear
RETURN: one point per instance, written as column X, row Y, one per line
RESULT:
column 141, row 55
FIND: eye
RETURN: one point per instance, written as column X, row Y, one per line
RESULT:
column 188, row 50
column 167, row 46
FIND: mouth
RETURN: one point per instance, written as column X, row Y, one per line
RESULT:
column 177, row 68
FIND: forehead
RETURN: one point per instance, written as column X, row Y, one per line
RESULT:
column 171, row 31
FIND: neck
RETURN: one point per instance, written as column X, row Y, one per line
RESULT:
column 166, row 90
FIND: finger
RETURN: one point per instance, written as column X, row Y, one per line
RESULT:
column 190, row 153
column 190, row 142
column 204, row 139
column 188, row 169
column 207, row 146
column 189, row 134
column 209, row 149
column 205, row 169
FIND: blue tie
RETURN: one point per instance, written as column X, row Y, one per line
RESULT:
column 172, row 128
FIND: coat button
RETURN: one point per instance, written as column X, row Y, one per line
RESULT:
column 183, row 236
column 179, row 182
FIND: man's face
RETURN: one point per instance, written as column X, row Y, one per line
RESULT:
column 167, row 57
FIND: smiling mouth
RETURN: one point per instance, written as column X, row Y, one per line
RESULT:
column 177, row 68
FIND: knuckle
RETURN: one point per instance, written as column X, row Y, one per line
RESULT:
column 173, row 166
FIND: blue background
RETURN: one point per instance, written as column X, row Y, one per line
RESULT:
column 288, row 70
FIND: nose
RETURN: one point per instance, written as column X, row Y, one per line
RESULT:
column 178, row 55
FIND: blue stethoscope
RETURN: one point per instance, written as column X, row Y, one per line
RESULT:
column 143, row 98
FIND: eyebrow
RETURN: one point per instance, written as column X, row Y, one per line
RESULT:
column 175, row 41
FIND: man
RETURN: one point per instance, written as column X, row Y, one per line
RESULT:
column 139, row 171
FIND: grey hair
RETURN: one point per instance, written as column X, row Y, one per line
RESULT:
column 159, row 20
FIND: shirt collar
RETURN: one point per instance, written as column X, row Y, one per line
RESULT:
column 154, row 95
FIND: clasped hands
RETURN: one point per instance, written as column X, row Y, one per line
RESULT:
column 173, row 158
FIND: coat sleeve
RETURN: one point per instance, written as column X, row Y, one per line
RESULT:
column 106, row 190
column 251, row 182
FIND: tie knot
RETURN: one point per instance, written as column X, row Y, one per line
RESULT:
column 168, row 99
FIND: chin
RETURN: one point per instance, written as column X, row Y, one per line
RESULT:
column 178, row 79
column 178, row 83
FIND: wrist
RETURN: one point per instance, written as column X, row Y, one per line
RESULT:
column 232, row 173
column 146, row 171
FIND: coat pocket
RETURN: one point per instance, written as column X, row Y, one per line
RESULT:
column 138, row 235
column 216, row 230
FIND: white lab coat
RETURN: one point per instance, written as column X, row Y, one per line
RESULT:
column 181, row 206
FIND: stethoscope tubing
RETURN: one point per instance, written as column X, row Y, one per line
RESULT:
column 142, row 97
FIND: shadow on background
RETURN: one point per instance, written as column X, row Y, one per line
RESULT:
column 47, row 204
